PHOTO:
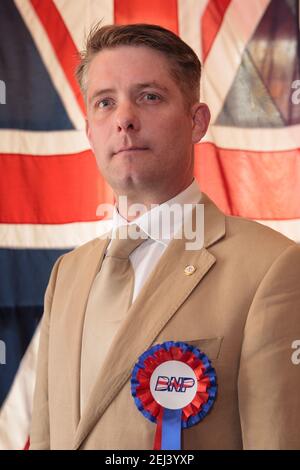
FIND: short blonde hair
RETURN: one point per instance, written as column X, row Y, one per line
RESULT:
column 185, row 66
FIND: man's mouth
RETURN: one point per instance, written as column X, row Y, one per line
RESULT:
column 130, row 149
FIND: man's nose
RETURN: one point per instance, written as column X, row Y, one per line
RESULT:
column 127, row 118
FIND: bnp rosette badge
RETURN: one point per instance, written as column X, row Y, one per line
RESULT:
column 174, row 385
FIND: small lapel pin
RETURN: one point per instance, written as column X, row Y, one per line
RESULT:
column 188, row 270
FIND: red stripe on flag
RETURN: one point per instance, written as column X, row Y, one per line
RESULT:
column 211, row 22
column 257, row 185
column 51, row 189
column 142, row 11
column 61, row 41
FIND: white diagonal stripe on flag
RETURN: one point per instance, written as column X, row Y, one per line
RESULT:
column 239, row 23
column 190, row 27
column 50, row 60
column 93, row 11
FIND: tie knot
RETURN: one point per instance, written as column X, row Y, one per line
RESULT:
column 126, row 239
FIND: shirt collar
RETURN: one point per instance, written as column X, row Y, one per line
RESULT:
column 151, row 221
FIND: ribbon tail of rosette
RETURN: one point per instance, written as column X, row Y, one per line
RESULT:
column 171, row 429
column 158, row 432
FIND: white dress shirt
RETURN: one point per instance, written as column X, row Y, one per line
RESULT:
column 145, row 257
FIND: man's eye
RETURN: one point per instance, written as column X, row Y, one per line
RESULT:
column 103, row 103
column 151, row 97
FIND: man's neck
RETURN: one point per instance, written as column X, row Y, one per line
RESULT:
column 133, row 206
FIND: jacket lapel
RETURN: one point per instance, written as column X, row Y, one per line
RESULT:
column 74, row 317
column 149, row 314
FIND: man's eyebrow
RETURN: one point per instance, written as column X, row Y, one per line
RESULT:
column 138, row 86
column 152, row 84
column 100, row 92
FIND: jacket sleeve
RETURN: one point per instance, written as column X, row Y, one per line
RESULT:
column 269, row 379
column 40, row 429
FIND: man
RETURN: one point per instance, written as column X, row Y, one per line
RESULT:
column 236, row 297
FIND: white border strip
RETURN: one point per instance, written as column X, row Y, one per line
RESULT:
column 15, row 413
column 58, row 236
column 72, row 235
column 43, row 143
column 258, row 140
column 79, row 19
column 51, row 62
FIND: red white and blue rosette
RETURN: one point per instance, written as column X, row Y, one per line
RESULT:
column 173, row 385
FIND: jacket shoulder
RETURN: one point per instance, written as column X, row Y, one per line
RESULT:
column 255, row 231
column 82, row 251
column 255, row 242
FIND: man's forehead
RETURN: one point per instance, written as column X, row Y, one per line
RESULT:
column 141, row 60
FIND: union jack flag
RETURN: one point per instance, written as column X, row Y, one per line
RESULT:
column 248, row 163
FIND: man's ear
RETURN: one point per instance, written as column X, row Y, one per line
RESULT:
column 88, row 133
column 201, row 118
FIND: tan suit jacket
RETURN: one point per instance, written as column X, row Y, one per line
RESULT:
column 241, row 307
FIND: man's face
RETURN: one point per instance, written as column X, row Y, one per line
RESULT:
column 137, row 121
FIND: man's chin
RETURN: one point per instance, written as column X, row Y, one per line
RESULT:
column 132, row 183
